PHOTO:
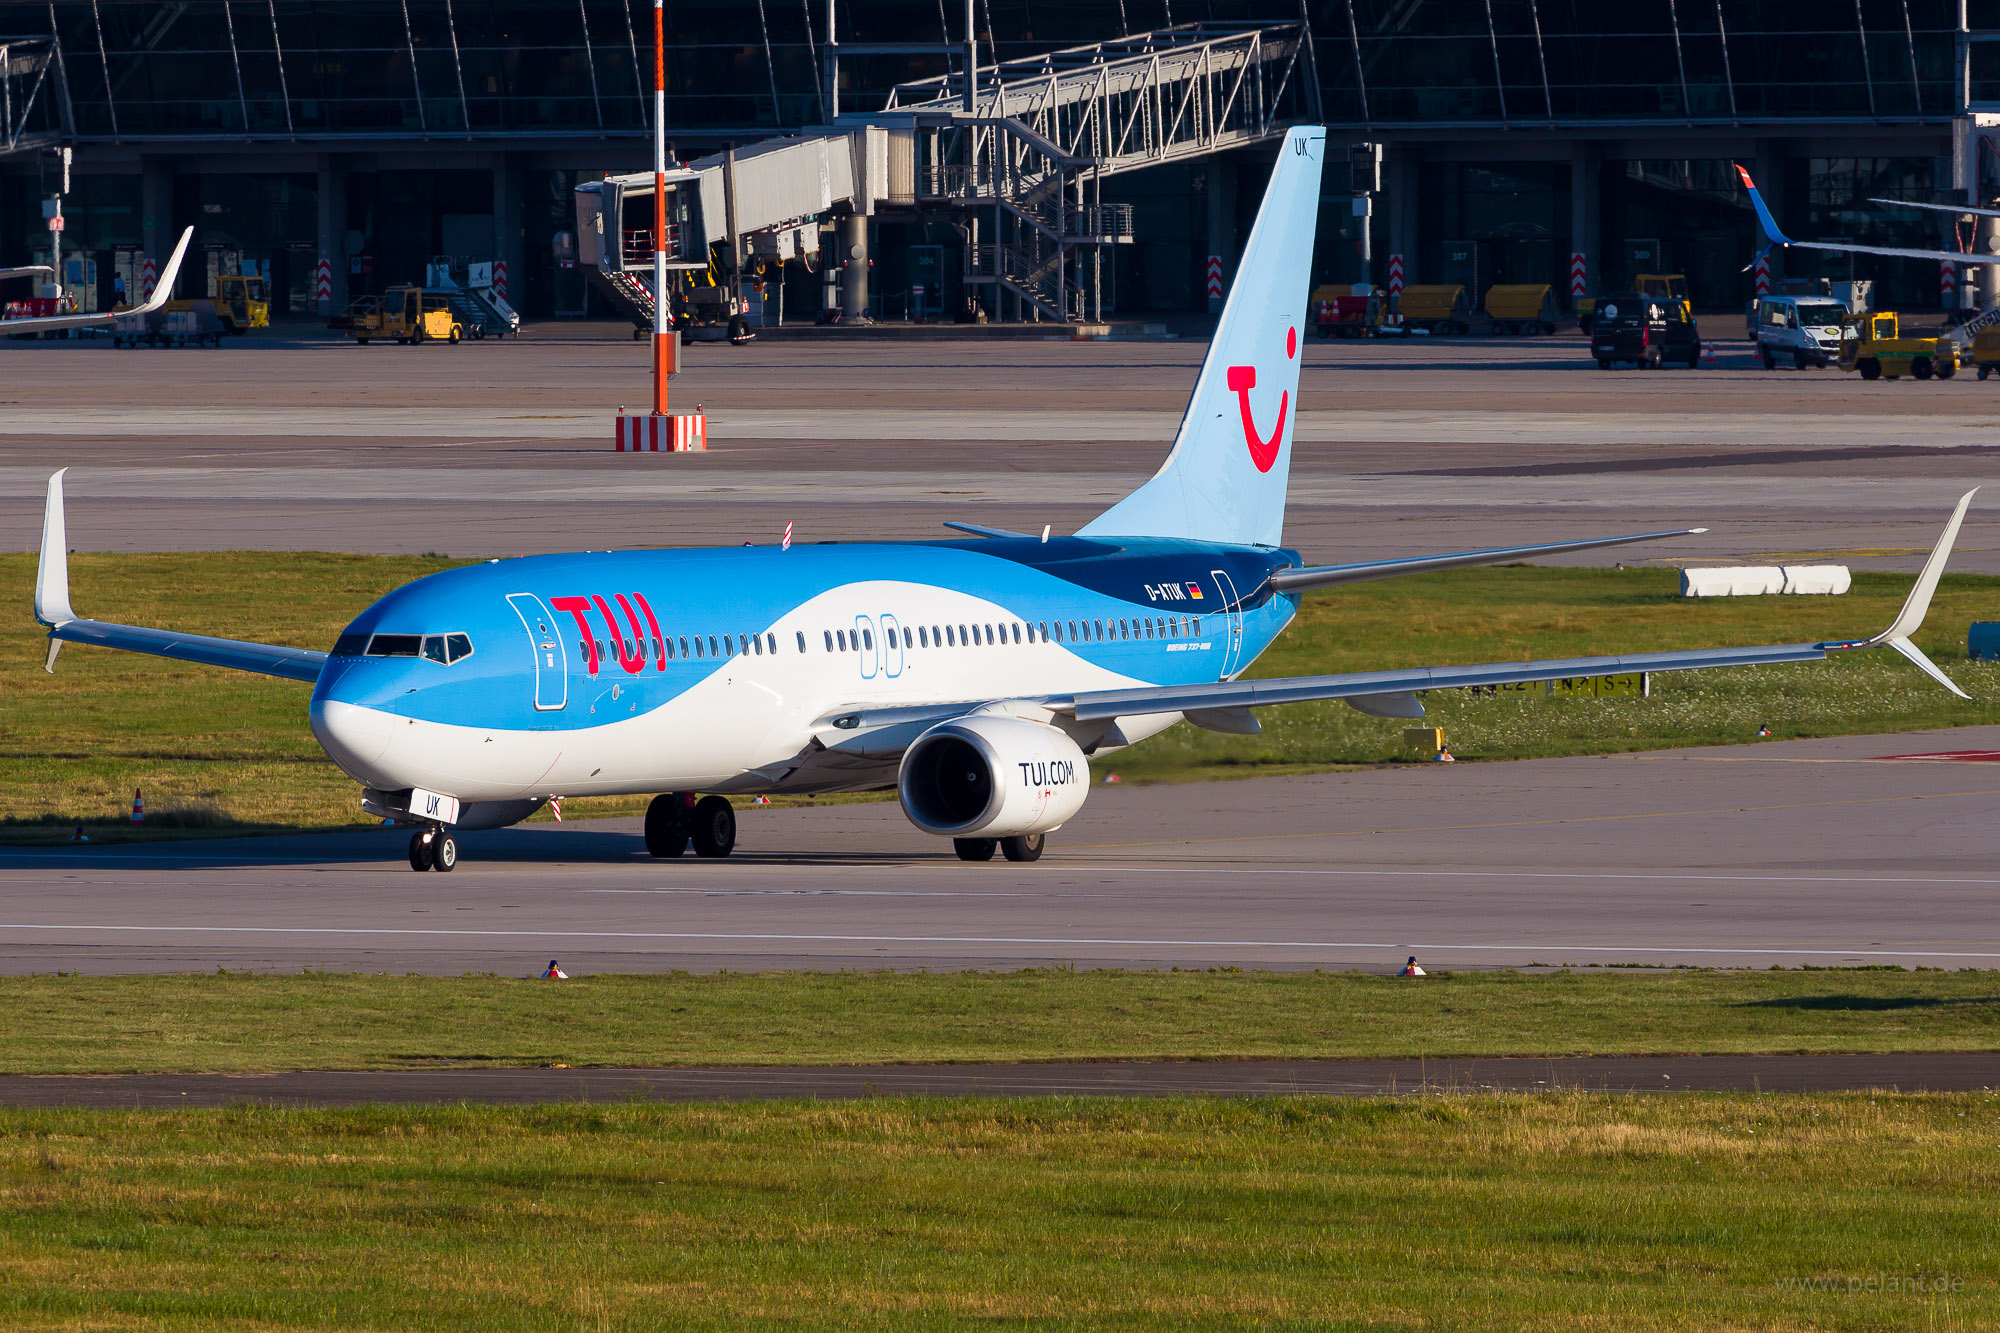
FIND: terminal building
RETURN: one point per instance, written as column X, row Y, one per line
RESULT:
column 1103, row 159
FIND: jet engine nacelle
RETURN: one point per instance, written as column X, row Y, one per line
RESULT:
column 992, row 777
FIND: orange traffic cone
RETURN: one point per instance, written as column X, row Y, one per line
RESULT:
column 1410, row 969
column 138, row 806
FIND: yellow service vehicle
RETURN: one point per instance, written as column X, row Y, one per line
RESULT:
column 1521, row 308
column 1439, row 309
column 407, row 314
column 242, row 303
column 1986, row 351
column 1873, row 347
column 1659, row 286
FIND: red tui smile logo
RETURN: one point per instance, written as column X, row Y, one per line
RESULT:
column 1242, row 379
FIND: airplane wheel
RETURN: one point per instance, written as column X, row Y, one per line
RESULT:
column 974, row 849
column 714, row 827
column 420, row 852
column 444, row 852
column 1027, row 847
column 666, row 826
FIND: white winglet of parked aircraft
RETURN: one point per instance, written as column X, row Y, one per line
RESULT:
column 978, row 678
column 26, row 271
column 162, row 292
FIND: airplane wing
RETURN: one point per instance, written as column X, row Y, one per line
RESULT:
column 1234, row 696
column 1329, row 576
column 25, row 271
column 52, row 608
column 1956, row 210
column 162, row 292
column 1774, row 236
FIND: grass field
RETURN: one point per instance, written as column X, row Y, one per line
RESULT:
column 245, row 1023
column 1559, row 1211
column 224, row 751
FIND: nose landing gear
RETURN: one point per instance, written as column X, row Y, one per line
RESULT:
column 433, row 849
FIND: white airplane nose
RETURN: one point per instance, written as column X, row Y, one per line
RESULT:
column 353, row 737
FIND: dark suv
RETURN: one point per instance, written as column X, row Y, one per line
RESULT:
column 1648, row 331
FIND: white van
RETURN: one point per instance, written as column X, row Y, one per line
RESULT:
column 1804, row 330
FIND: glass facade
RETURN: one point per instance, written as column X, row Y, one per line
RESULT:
column 564, row 88
column 1584, row 62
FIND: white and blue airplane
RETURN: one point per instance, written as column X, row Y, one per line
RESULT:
column 976, row 677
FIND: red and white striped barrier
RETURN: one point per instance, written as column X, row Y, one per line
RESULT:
column 149, row 277
column 1763, row 275
column 1395, row 276
column 1579, row 275
column 663, row 435
column 1215, row 277
column 323, row 281
column 1948, row 282
column 500, row 278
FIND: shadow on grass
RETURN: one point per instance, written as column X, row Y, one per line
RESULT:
column 1865, row 1003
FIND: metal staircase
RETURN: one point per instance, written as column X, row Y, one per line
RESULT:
column 1027, row 153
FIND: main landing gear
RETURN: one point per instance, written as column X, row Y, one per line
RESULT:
column 1028, row 847
column 433, row 849
column 677, row 819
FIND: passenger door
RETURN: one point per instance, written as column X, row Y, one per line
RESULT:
column 551, row 657
column 892, row 647
column 1232, row 623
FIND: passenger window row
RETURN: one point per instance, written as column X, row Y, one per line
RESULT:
column 1020, row 631
column 685, row 647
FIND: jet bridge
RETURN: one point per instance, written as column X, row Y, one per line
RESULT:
column 1018, row 160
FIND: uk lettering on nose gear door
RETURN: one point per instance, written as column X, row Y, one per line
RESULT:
column 551, row 656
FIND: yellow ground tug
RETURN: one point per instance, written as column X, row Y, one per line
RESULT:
column 242, row 303
column 407, row 314
column 1659, row 286
column 1873, row 347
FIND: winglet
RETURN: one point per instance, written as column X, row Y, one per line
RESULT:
column 163, row 290
column 1764, row 219
column 1911, row 618
column 52, row 574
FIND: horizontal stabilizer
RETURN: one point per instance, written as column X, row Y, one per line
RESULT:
column 981, row 530
column 1331, row 576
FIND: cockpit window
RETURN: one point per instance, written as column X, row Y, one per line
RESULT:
column 350, row 645
column 443, row 649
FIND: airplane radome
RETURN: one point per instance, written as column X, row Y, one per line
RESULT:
column 978, row 677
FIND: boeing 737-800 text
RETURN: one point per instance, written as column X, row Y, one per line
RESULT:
column 977, row 677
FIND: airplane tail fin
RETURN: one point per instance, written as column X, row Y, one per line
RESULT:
column 1225, row 479
column 1772, row 236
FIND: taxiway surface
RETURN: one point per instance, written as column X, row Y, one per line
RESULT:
column 1403, row 448
column 1859, row 850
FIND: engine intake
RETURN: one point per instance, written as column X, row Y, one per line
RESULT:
column 992, row 777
